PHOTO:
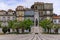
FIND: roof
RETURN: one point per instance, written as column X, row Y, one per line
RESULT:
column 41, row 3
column 56, row 17
column 38, row 2
column 27, row 9
column 19, row 8
column 10, row 10
column 2, row 11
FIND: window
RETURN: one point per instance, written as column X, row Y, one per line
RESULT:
column 40, row 18
column 48, row 18
column 48, row 12
column 54, row 21
column 36, row 7
column 6, row 12
column 17, row 13
column 43, row 12
column 40, row 7
column 13, row 13
column 48, row 6
column 59, row 21
column 29, row 12
column 8, row 18
column 3, row 17
column 13, row 18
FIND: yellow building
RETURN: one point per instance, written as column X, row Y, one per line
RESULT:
column 20, row 13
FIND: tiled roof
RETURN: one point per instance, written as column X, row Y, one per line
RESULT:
column 2, row 11
column 19, row 8
column 56, row 17
column 27, row 9
column 10, row 10
column 39, row 3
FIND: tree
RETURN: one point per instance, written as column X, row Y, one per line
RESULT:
column 56, row 27
column 22, row 25
column 8, row 29
column 11, row 23
column 4, row 29
column 28, row 24
column 0, row 24
column 45, row 24
column 50, row 26
column 16, row 26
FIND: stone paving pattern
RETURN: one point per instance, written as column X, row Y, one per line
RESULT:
column 29, row 37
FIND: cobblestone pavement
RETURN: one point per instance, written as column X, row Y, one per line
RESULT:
column 29, row 37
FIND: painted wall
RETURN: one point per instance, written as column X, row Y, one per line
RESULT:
column 56, row 21
column 19, row 15
column 29, row 12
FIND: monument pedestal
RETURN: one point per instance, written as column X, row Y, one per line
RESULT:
column 36, row 30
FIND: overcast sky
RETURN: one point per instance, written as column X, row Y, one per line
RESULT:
column 12, row 4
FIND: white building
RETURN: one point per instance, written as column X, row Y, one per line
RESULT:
column 56, row 19
column 5, row 16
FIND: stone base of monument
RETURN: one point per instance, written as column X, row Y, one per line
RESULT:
column 36, row 30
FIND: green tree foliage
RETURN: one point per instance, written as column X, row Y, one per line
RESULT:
column 45, row 24
column 0, row 23
column 28, row 24
column 8, row 29
column 11, row 23
column 24, row 25
column 4, row 29
column 56, row 27
column 16, row 26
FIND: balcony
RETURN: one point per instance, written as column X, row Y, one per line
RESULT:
column 28, row 15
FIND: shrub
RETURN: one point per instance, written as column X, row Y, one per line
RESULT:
column 4, row 29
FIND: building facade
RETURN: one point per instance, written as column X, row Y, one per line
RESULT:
column 20, row 13
column 29, row 14
column 45, row 10
column 56, row 19
column 42, row 11
column 38, row 11
column 5, row 16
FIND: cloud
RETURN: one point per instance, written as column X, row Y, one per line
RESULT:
column 12, row 4
column 3, row 6
column 56, row 4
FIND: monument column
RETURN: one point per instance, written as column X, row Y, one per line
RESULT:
column 36, row 18
column 36, row 28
